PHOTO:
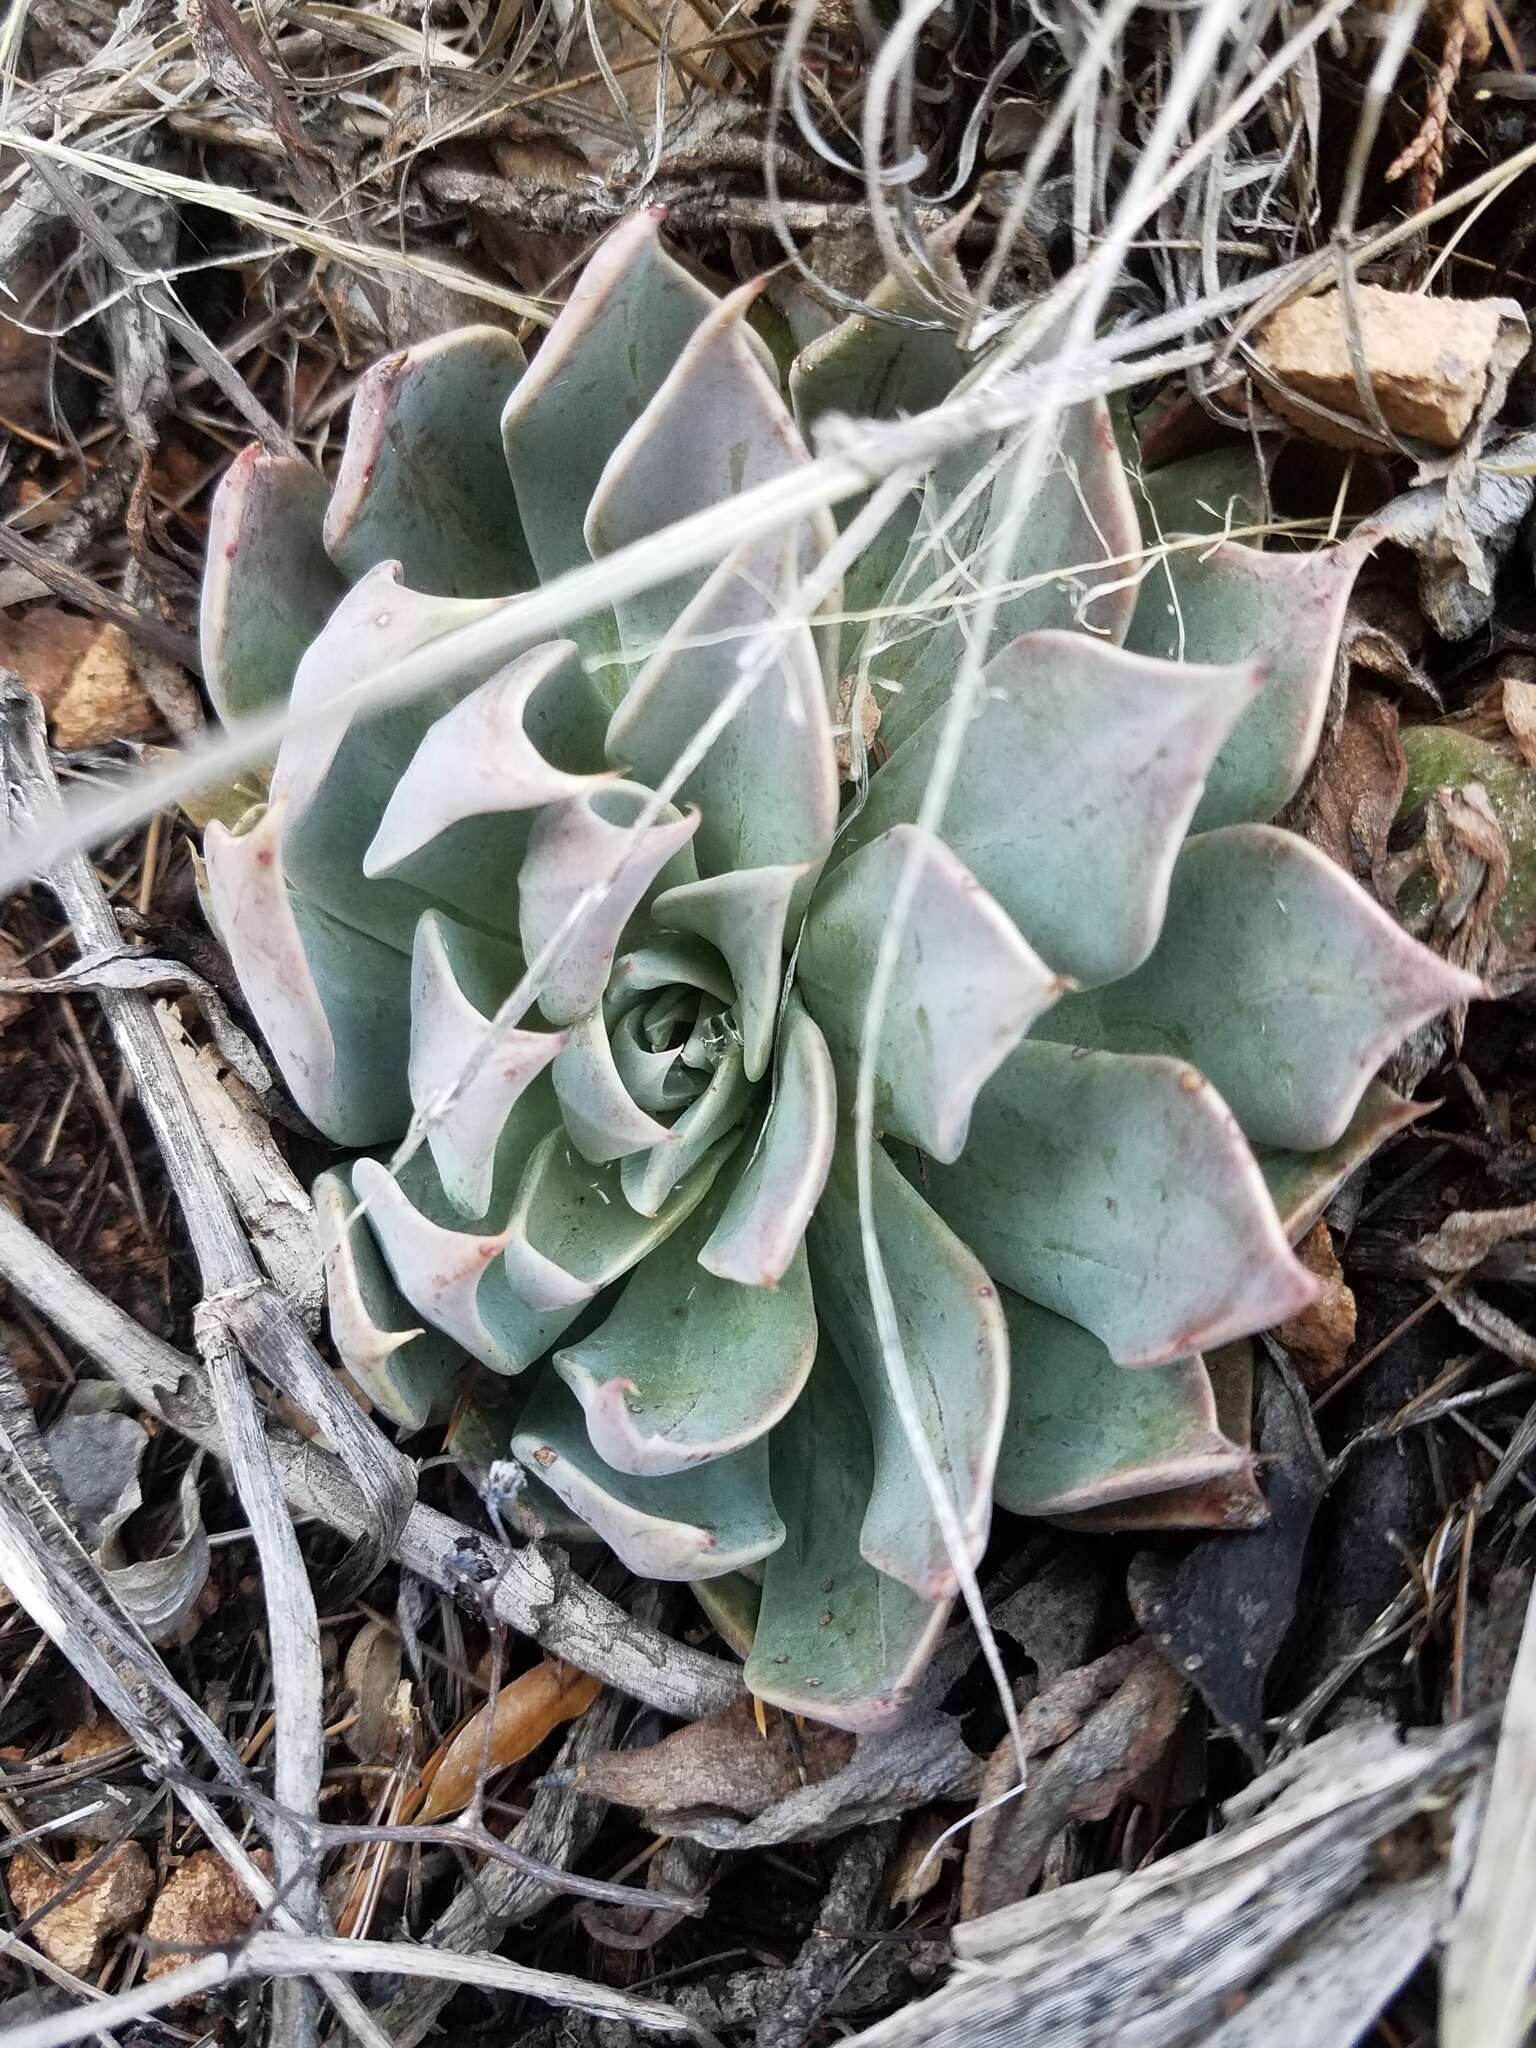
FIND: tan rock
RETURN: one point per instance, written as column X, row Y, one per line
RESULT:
column 75, row 1931
column 1320, row 1337
column 204, row 1905
column 96, row 1738
column 1428, row 361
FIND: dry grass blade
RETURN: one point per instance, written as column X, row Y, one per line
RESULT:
column 280, row 223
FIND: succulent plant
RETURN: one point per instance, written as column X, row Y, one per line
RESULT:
column 1130, row 1044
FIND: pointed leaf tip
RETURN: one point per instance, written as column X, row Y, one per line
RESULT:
column 1279, row 978
column 966, row 988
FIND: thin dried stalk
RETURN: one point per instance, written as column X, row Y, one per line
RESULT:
column 532, row 1590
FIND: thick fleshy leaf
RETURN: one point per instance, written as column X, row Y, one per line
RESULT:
column 745, row 917
column 459, row 977
column 1083, row 1432
column 868, row 368
column 489, row 1290
column 269, row 585
column 332, row 1003
column 1120, row 1191
column 656, row 1081
column 648, row 1178
column 697, row 1524
column 1072, row 563
column 574, row 1215
column 408, row 1372
column 1209, row 493
column 1232, row 603
column 625, row 323
column 1225, row 1500
column 1302, row 1184
column 501, row 748
column 591, row 843
column 1075, row 788
column 966, row 989
column 767, row 788
column 835, row 1638
column 422, row 480
column 335, row 778
column 689, row 1367
column 955, row 1345
column 716, row 427
column 659, row 963
column 731, row 1603
column 1279, row 978
column 601, row 1117
column 771, row 1204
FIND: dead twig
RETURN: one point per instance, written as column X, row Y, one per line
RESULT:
column 533, row 1589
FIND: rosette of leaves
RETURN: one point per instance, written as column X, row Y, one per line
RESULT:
column 1130, row 1042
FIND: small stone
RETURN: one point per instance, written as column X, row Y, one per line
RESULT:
column 75, row 1932
column 204, row 1905
column 869, row 724
column 97, row 1738
column 1428, row 360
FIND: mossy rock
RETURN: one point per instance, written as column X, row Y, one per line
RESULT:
column 1438, row 755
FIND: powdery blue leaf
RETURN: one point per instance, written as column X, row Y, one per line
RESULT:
column 501, row 748
column 422, row 480
column 1210, row 493
column 487, row 1289
column 601, row 1117
column 773, row 1201
column 459, row 977
column 660, row 961
column 697, row 1524
column 715, row 428
column 867, row 368
column 573, row 1215
column 334, row 779
column 1083, row 1432
column 626, row 321
column 269, row 585
column 648, row 1178
column 591, row 843
column 408, row 1372
column 966, row 989
column 1119, row 1191
column 1279, row 978
column 1073, row 563
column 1075, row 788
column 745, row 916
column 956, row 1349
column 835, row 1638
column 689, row 1367
column 767, row 788
column 1227, row 603
column 332, row 1003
